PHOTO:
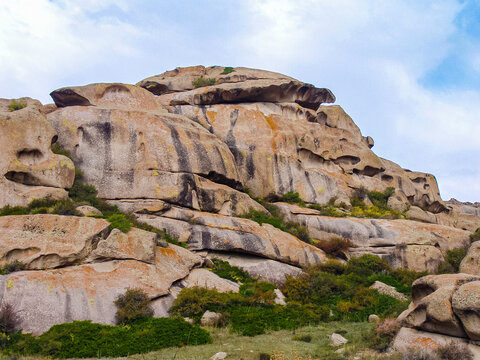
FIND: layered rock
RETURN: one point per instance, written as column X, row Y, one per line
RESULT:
column 405, row 244
column 28, row 168
column 206, row 231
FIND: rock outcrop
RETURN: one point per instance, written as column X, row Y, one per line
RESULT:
column 28, row 167
column 442, row 304
column 188, row 151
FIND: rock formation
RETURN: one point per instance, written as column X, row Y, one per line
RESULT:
column 186, row 151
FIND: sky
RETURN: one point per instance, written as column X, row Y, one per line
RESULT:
column 407, row 72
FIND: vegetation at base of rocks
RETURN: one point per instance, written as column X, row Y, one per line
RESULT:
column 327, row 292
column 453, row 258
column 475, row 236
column 229, row 272
column 9, row 320
column 358, row 208
column 381, row 335
column 12, row 267
column 120, row 222
column 201, row 82
column 450, row 351
column 131, row 306
column 16, row 105
column 336, row 247
column 83, row 339
column 277, row 219
column 344, row 288
column 43, row 206
column 227, row 70
column 293, row 198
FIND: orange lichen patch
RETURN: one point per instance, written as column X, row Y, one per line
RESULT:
column 426, row 342
column 211, row 115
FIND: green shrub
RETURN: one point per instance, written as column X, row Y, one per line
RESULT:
column 227, row 70
column 276, row 219
column 12, row 267
column 293, row 198
column 120, row 222
column 332, row 267
column 367, row 265
column 453, row 258
column 328, row 210
column 258, row 292
column 13, row 210
column 65, row 207
column 17, row 105
column 131, row 306
column 227, row 271
column 336, row 247
column 475, row 236
column 57, row 149
column 201, row 82
column 380, row 199
column 380, row 337
column 83, row 339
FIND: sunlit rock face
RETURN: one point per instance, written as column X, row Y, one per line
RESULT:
column 28, row 168
column 283, row 139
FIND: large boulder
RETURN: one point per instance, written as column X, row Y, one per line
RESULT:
column 259, row 268
column 87, row 292
column 206, row 279
column 404, row 243
column 409, row 340
column 49, row 241
column 241, row 85
column 143, row 154
column 28, row 167
column 466, row 305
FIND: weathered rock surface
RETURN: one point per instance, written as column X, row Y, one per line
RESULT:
column 446, row 304
column 28, row 168
column 206, row 231
column 410, row 339
column 136, row 244
column 405, row 244
column 210, row 318
column 337, row 340
column 242, row 85
column 49, row 241
column 123, row 152
column 87, row 292
column 260, row 268
column 388, row 290
column 471, row 262
column 208, row 280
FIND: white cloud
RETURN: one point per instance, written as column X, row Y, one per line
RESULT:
column 42, row 42
column 373, row 55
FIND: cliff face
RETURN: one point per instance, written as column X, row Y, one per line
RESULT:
column 185, row 151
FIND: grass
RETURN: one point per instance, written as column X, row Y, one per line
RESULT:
column 201, row 82
column 16, row 105
column 278, row 343
column 475, row 236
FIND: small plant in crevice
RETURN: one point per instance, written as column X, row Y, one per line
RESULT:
column 59, row 150
column 227, row 70
column 132, row 306
column 12, row 267
column 475, row 236
column 453, row 258
column 293, row 198
column 229, row 272
column 16, row 105
column 201, row 82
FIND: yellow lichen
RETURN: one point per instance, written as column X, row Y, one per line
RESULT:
column 10, row 283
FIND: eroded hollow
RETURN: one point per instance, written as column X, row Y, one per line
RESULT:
column 29, row 156
column 22, row 178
